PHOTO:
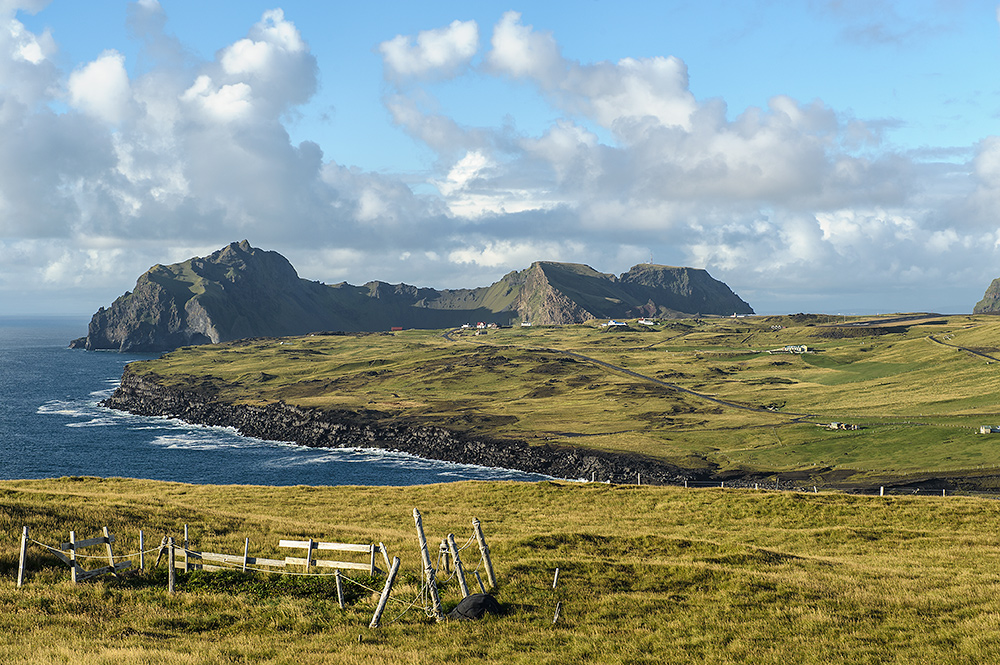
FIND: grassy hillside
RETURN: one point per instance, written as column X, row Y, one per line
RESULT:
column 647, row 575
column 919, row 388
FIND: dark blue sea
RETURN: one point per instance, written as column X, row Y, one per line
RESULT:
column 51, row 425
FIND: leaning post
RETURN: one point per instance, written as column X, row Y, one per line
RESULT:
column 425, row 555
column 484, row 549
column 393, row 569
column 459, row 571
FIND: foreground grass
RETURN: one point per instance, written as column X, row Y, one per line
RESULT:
column 647, row 575
column 918, row 395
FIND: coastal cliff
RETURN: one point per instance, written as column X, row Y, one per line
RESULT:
column 318, row 428
column 240, row 291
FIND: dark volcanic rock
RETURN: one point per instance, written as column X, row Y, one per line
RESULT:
column 318, row 428
column 240, row 291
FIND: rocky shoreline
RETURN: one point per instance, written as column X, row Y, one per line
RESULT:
column 198, row 403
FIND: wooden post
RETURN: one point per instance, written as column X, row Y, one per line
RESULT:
column 942, row 492
column 246, row 553
column 393, row 569
column 485, row 551
column 371, row 554
column 638, row 479
column 881, row 490
column 340, row 588
column 23, row 558
column 756, row 486
column 556, row 617
column 555, row 579
column 385, row 556
column 171, row 566
column 187, row 561
column 443, row 557
column 459, row 572
column 309, row 553
column 111, row 556
column 142, row 551
column 815, row 491
column 425, row 555
column 479, row 579
column 72, row 555
column 685, row 483
column 722, row 484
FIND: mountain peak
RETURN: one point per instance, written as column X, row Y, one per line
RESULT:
column 241, row 291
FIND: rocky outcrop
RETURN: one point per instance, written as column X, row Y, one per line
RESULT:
column 990, row 304
column 198, row 403
column 241, row 291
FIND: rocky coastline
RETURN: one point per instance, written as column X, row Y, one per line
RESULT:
column 198, row 403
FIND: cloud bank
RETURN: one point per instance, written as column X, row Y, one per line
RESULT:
column 795, row 204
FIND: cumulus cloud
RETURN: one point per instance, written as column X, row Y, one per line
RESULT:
column 103, row 173
column 440, row 52
column 769, row 195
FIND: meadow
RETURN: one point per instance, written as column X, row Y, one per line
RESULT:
column 647, row 575
column 710, row 394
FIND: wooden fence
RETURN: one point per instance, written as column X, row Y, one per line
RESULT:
column 67, row 552
column 191, row 559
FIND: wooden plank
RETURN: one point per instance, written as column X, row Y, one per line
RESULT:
column 341, row 547
column 65, row 559
column 87, row 574
column 324, row 563
column 89, row 542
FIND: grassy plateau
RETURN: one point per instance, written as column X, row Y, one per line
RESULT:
column 647, row 575
column 703, row 394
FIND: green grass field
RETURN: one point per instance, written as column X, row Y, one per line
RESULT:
column 647, row 575
column 920, row 388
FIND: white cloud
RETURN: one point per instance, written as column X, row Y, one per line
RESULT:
column 789, row 197
column 443, row 51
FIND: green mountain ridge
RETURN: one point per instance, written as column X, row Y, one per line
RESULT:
column 241, row 291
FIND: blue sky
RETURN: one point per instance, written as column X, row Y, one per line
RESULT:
column 835, row 156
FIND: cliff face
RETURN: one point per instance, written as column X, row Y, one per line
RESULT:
column 240, row 291
column 990, row 304
column 316, row 428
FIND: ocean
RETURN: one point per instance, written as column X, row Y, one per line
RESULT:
column 52, row 425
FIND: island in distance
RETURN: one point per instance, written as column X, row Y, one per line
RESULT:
column 241, row 291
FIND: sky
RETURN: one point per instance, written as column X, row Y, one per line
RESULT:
column 837, row 156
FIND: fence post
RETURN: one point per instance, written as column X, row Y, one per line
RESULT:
column 142, row 551
column 428, row 568
column 171, row 566
column 246, row 553
column 111, row 556
column 393, row 569
column 309, row 554
column 443, row 555
column 187, row 546
column 555, row 579
column 881, row 490
column 459, row 572
column 72, row 555
column 385, row 556
column 23, row 558
column 485, row 551
column 340, row 588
